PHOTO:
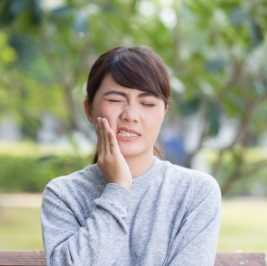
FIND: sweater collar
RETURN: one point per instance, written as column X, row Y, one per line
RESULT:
column 143, row 179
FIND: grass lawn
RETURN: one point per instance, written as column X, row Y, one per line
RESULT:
column 20, row 229
column 244, row 227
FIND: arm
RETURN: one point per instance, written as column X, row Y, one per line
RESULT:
column 98, row 242
column 196, row 240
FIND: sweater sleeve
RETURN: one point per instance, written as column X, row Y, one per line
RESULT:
column 98, row 241
column 196, row 240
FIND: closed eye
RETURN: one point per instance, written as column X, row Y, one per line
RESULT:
column 144, row 104
column 114, row 101
column 148, row 105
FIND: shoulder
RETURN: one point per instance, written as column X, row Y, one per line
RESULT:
column 196, row 180
column 75, row 181
column 66, row 179
column 202, row 190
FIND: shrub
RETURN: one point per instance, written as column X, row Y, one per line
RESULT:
column 251, row 182
column 31, row 174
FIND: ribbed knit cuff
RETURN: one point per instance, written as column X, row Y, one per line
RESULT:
column 115, row 196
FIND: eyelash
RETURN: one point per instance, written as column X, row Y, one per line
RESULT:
column 114, row 101
column 147, row 105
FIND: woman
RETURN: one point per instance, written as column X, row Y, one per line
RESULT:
column 130, row 207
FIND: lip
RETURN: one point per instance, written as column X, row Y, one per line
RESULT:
column 127, row 130
column 127, row 139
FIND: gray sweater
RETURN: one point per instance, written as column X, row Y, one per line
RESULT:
column 170, row 216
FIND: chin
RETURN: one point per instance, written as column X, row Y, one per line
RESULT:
column 129, row 153
column 132, row 151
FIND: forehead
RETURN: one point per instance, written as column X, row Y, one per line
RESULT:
column 108, row 84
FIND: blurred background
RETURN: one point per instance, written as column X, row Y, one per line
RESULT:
column 216, row 54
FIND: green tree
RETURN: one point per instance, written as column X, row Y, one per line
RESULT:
column 215, row 52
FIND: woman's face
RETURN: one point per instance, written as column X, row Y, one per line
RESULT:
column 135, row 116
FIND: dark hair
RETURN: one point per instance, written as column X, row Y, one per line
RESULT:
column 132, row 67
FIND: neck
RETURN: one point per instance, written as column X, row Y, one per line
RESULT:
column 140, row 164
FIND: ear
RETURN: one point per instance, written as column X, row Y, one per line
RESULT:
column 166, row 109
column 88, row 111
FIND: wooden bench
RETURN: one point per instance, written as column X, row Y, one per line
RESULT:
column 37, row 258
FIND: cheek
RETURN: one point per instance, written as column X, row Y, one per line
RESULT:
column 154, row 121
column 99, row 110
column 111, row 113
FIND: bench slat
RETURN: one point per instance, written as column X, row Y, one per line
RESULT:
column 22, row 262
column 239, row 263
column 244, row 259
column 22, row 254
column 240, row 256
column 37, row 258
column 22, row 258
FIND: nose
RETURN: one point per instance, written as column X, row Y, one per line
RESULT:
column 130, row 114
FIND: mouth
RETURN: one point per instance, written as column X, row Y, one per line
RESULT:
column 127, row 133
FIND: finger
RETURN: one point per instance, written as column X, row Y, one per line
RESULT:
column 101, row 149
column 106, row 135
column 103, row 137
column 97, row 137
column 114, row 146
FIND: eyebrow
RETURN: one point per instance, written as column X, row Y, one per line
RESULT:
column 143, row 94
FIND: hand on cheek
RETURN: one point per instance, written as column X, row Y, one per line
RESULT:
column 110, row 160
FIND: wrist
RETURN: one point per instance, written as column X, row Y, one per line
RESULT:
column 126, row 185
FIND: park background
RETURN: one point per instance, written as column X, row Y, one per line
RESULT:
column 216, row 54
